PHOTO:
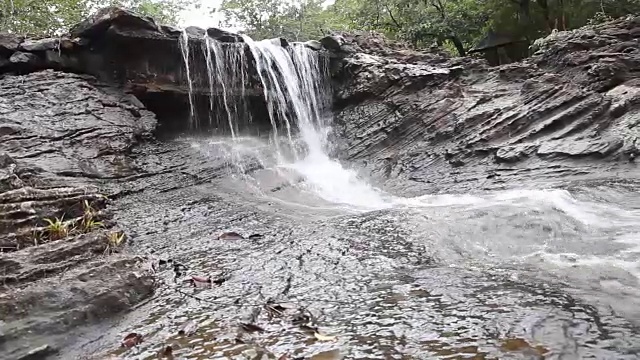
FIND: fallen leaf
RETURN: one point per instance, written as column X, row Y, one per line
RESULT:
column 251, row 327
column 131, row 340
column 323, row 337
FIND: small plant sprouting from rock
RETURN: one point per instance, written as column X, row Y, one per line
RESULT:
column 90, row 224
column 114, row 241
column 56, row 229
column 89, row 215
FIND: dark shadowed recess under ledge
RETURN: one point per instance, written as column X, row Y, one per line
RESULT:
column 173, row 111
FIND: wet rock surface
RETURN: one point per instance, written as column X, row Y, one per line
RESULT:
column 61, row 136
column 440, row 124
column 381, row 284
column 243, row 262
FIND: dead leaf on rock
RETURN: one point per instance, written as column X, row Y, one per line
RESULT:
column 131, row 340
column 251, row 327
column 323, row 337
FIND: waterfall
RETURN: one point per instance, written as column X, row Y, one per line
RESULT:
column 296, row 90
column 184, row 47
column 215, row 64
column 295, row 85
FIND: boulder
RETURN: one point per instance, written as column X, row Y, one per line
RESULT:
column 332, row 42
column 23, row 58
column 40, row 45
column 9, row 43
column 224, row 36
column 104, row 18
column 196, row 32
column 313, row 45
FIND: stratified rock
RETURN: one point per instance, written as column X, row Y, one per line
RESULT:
column 515, row 153
column 60, row 135
column 425, row 122
column 23, row 58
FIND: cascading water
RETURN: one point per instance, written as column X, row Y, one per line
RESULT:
column 295, row 86
column 215, row 61
column 297, row 92
column 184, row 47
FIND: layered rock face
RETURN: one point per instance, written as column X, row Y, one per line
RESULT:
column 62, row 137
column 427, row 123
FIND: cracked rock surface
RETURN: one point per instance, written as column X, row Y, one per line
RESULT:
column 426, row 123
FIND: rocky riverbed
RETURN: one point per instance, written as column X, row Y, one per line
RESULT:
column 521, row 244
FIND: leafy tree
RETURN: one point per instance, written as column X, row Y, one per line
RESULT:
column 261, row 19
column 48, row 17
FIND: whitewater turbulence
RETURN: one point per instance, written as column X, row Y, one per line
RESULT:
column 296, row 90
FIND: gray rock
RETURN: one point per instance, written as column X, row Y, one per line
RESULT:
column 399, row 111
column 332, row 42
column 195, row 31
column 512, row 154
column 23, row 58
column 586, row 147
column 313, row 45
column 9, row 43
column 39, row 353
column 223, row 36
column 4, row 62
column 40, row 45
column 102, row 20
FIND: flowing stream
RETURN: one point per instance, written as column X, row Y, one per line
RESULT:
column 520, row 274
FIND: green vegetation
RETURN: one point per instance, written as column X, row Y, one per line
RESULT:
column 49, row 17
column 114, row 241
column 56, row 229
column 455, row 24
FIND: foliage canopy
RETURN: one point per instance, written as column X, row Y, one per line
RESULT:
column 456, row 24
column 49, row 17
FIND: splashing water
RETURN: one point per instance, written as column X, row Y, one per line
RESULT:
column 296, row 90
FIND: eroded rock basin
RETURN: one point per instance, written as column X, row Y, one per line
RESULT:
column 521, row 274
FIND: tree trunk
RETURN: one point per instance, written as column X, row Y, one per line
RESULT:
column 458, row 44
column 545, row 12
